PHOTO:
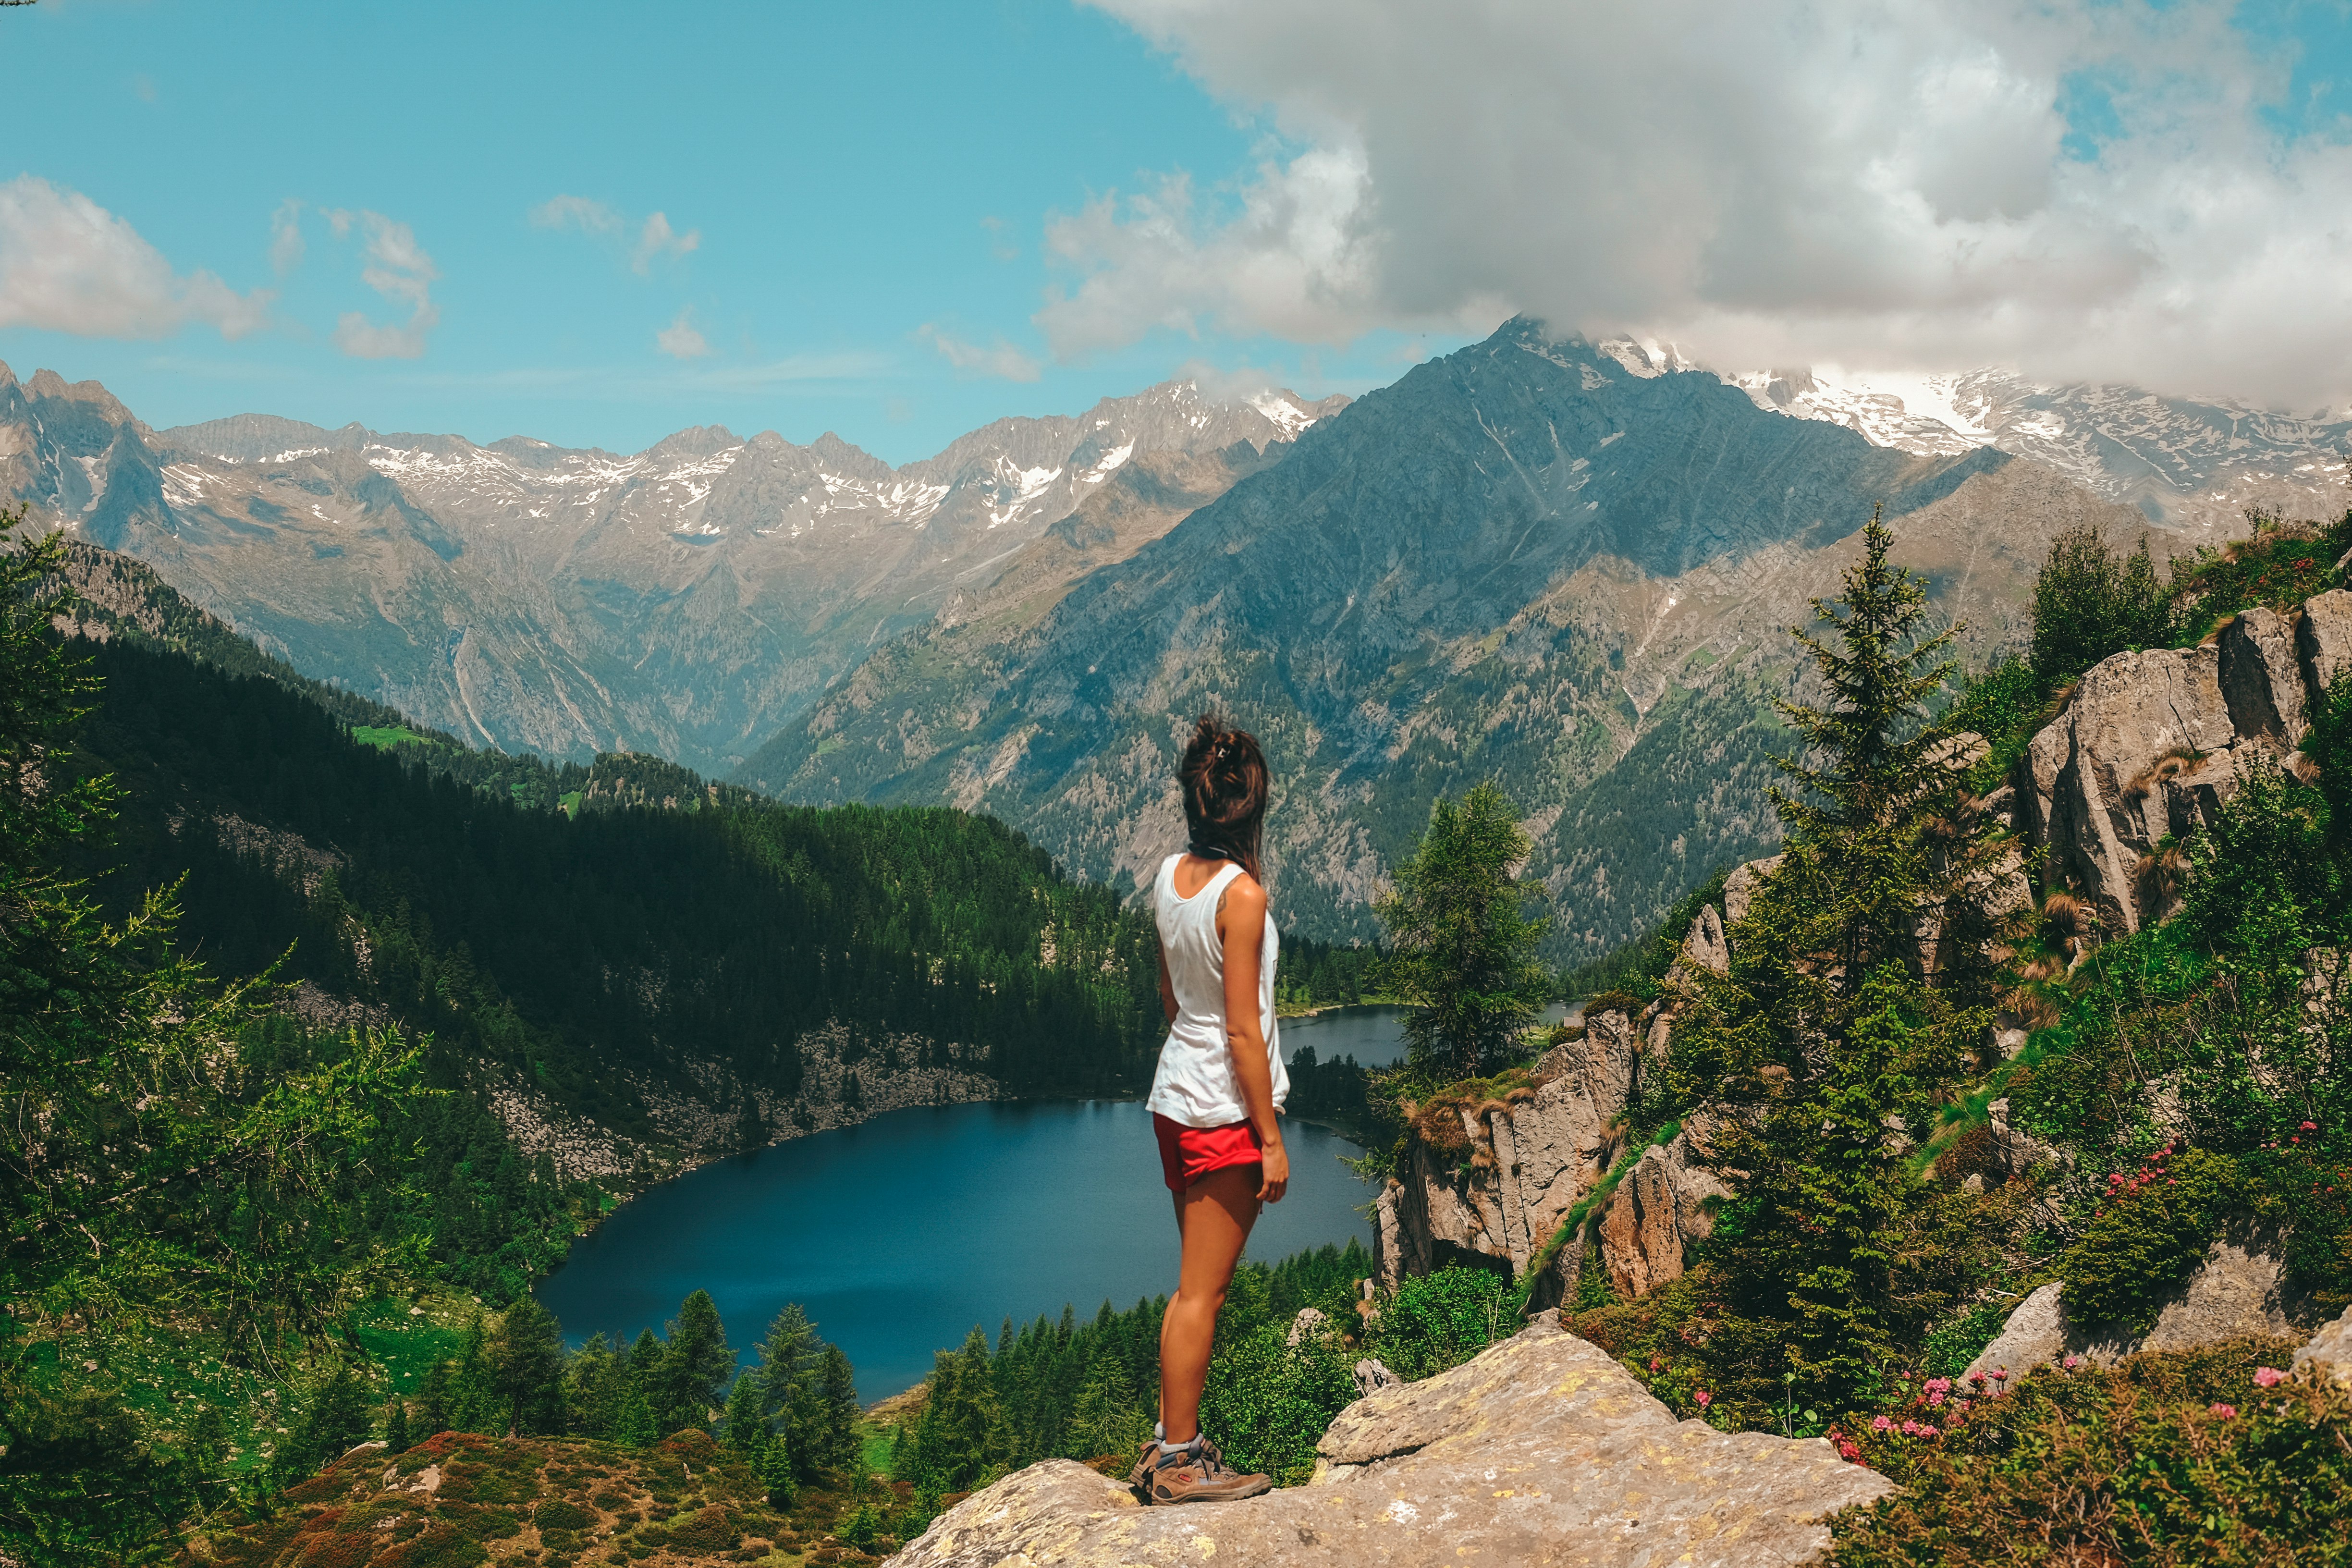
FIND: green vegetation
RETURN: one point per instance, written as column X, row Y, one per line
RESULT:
column 1462, row 948
column 1090, row 1390
column 1314, row 974
column 153, row 1177
column 2193, row 1072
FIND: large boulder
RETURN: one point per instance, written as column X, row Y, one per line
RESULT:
column 1739, row 888
column 2324, row 639
column 2097, row 774
column 1541, row 1450
column 2261, row 680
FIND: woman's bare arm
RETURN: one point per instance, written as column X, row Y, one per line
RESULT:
column 1241, row 926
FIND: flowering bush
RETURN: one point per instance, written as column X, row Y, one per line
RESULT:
column 2149, row 1234
column 2168, row 1460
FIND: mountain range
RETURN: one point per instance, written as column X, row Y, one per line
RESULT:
column 1565, row 563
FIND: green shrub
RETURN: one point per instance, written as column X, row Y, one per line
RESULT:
column 1269, row 1402
column 2147, row 1236
column 2090, row 603
column 557, row 1514
column 1441, row 1320
column 1955, row 1344
column 2166, row 1460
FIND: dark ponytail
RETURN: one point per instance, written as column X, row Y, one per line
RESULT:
column 1223, row 781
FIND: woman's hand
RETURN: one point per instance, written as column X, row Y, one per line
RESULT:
column 1273, row 1165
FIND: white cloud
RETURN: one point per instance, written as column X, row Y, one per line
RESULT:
column 67, row 265
column 658, row 239
column 681, row 339
column 286, row 246
column 1848, row 181
column 1001, row 359
column 399, row 269
column 583, row 212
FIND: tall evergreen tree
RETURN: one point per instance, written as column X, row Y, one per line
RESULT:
column 695, row 1365
column 1463, row 945
column 435, row 1409
column 150, row 1178
column 395, row 1425
column 526, row 1369
column 1831, row 1029
column 746, row 1427
column 838, row 1390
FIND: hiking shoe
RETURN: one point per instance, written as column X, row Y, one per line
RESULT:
column 1178, row 1475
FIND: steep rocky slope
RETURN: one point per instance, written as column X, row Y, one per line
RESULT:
column 1527, row 560
column 2147, row 748
column 684, row 600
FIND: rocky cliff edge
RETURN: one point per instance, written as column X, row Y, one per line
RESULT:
column 1542, row 1450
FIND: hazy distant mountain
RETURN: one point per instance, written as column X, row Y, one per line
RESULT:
column 1528, row 559
column 686, row 600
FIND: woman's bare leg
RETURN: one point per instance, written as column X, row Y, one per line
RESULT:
column 1214, row 1214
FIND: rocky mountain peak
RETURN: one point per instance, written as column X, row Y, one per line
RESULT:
column 695, row 441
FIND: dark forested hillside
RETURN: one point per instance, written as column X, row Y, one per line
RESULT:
column 608, row 937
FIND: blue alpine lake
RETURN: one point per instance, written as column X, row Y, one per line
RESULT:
column 900, row 1234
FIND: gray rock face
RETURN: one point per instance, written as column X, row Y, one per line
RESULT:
column 1541, row 1450
column 1739, row 888
column 1704, row 947
column 2098, row 769
column 2324, row 639
column 2234, row 1293
column 2329, row 1354
column 2261, row 680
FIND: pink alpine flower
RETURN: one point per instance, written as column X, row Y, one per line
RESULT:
column 1704, row 1398
column 2268, row 1377
column 2226, row 1412
column 1880, row 1423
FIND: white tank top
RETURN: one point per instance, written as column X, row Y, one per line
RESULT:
column 1196, row 1085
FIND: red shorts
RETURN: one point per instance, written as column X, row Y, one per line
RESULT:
column 1189, row 1154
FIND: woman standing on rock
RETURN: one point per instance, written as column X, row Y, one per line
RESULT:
column 1217, row 1099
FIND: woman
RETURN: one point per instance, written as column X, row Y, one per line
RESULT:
column 1216, row 1100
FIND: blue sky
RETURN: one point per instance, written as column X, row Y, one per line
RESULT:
column 853, row 175
column 597, row 223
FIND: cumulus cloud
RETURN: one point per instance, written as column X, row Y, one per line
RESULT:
column 658, row 239
column 398, row 268
column 67, row 265
column 681, row 339
column 999, row 359
column 1853, row 182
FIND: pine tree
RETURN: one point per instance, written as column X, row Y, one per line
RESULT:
column 1832, row 1029
column 1463, row 954
column 789, row 1357
column 474, row 1403
column 525, row 1360
column 694, row 1367
column 395, row 1425
column 776, row 1473
column 746, row 1427
column 594, row 1384
column 838, row 1390
column 435, row 1410
column 637, row 1425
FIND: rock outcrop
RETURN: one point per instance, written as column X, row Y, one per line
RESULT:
column 1541, row 1450
column 2150, row 743
column 2235, row 1292
column 2329, row 1354
column 1661, row 1207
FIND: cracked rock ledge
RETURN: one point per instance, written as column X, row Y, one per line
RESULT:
column 1542, row 1450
